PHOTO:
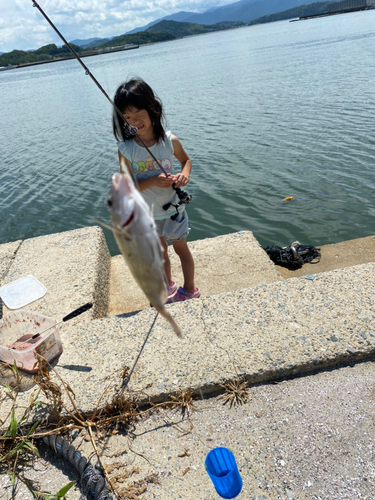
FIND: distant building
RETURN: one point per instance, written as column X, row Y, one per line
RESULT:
column 350, row 4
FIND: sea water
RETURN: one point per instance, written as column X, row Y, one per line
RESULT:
column 265, row 112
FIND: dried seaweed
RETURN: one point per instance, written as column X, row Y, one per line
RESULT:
column 62, row 415
column 183, row 400
column 236, row 392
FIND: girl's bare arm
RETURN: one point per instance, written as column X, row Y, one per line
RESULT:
column 182, row 178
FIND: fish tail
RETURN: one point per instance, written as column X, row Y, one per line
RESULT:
column 170, row 320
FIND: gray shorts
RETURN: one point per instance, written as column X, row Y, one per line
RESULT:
column 173, row 230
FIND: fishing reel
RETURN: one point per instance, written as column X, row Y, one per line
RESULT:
column 184, row 197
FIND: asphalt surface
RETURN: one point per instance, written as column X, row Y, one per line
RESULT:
column 310, row 437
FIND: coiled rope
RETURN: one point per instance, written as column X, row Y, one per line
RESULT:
column 93, row 482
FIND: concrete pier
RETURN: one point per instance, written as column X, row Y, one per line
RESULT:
column 249, row 319
column 253, row 320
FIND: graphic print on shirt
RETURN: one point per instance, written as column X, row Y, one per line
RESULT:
column 149, row 165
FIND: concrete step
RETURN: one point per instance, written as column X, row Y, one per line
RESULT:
column 231, row 262
column 8, row 253
column 263, row 333
column 337, row 256
column 73, row 266
column 222, row 264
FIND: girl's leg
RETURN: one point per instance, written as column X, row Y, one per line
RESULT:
column 167, row 262
column 187, row 263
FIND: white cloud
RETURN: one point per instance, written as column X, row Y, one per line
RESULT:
column 23, row 27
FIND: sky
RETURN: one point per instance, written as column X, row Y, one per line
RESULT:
column 23, row 27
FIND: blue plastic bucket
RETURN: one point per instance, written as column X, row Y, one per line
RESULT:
column 222, row 468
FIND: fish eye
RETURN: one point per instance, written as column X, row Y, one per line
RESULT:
column 109, row 202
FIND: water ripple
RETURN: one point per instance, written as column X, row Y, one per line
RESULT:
column 260, row 120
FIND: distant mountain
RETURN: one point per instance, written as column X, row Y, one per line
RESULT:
column 245, row 10
column 98, row 41
column 137, row 39
column 303, row 10
column 180, row 30
column 91, row 43
column 81, row 43
column 167, row 30
column 178, row 16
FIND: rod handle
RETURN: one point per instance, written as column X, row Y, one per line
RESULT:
column 78, row 311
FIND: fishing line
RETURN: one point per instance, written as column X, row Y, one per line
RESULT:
column 132, row 130
column 127, row 379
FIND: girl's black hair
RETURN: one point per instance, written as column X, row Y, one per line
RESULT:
column 138, row 94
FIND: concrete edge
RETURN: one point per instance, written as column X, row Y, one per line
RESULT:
column 102, row 281
column 16, row 246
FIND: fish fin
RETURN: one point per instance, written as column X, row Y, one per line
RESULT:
column 123, row 166
column 171, row 321
column 125, row 170
column 103, row 224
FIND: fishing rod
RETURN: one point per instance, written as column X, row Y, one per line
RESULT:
column 132, row 130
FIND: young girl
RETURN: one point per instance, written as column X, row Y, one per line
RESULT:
column 143, row 110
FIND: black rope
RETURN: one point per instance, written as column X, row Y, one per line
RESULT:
column 93, row 483
column 294, row 256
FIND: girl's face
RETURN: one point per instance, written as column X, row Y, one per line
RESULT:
column 139, row 118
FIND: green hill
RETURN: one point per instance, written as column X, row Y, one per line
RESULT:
column 46, row 53
column 312, row 9
column 180, row 30
column 139, row 38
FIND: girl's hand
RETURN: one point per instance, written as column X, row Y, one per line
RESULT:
column 162, row 181
column 181, row 180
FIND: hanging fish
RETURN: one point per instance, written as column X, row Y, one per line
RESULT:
column 135, row 234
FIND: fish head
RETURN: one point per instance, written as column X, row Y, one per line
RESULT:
column 121, row 200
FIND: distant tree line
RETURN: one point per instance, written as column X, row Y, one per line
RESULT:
column 46, row 53
column 140, row 38
column 181, row 29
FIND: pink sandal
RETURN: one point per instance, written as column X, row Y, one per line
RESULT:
column 181, row 295
column 172, row 289
column 171, row 292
